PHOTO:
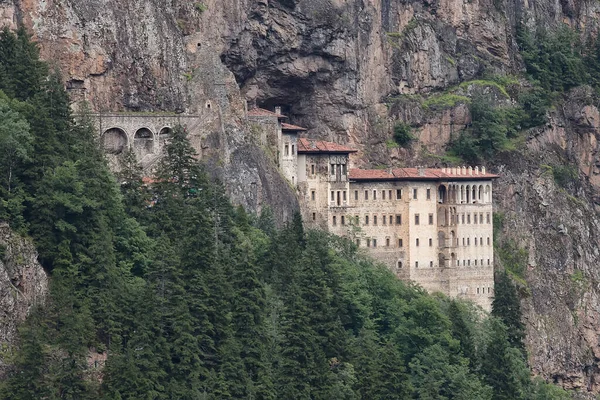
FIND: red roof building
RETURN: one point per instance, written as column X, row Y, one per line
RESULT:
column 422, row 174
column 261, row 112
column 320, row 146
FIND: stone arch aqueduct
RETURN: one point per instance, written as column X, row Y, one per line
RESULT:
column 144, row 133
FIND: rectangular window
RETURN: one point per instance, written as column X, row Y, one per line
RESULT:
column 374, row 219
column 417, row 242
column 313, row 195
column 334, row 221
column 387, row 242
column 366, row 220
column 343, row 220
column 428, row 194
column 293, row 149
column 314, row 216
column 468, row 241
column 368, row 242
column 477, row 290
column 488, row 261
column 468, row 263
column 398, row 219
column 474, row 218
column 399, row 264
column 374, row 194
column 430, row 219
column 391, row 221
column 343, row 169
column 344, row 195
column 389, row 194
column 312, row 169
column 332, row 169
column 400, row 244
column 481, row 218
column 463, row 241
column 374, row 242
column 488, row 240
column 475, row 241
column 332, row 195
column 356, row 220
column 430, row 242
column 287, row 149
column 366, row 195
column 416, row 219
column 469, row 218
column 430, row 264
column 415, row 194
column 463, row 219
column 383, row 195
column 383, row 219
column 398, row 194
column 416, row 264
column 357, row 242
column 356, row 195
column 487, row 218
column 458, row 263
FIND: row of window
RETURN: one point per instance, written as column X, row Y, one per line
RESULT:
column 371, row 242
column 387, row 194
column 477, row 218
column 389, row 219
column 286, row 150
column 465, row 263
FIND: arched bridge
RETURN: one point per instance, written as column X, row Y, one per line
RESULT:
column 144, row 133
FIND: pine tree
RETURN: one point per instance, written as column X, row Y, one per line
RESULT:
column 507, row 308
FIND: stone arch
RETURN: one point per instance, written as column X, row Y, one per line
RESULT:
column 143, row 142
column 114, row 140
column 164, row 134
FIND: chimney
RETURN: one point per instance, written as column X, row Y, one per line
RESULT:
column 463, row 170
column 476, row 170
column 470, row 170
column 278, row 110
column 444, row 170
column 421, row 171
column 453, row 171
column 482, row 170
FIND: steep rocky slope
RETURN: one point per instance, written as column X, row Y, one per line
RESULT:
column 338, row 67
column 23, row 283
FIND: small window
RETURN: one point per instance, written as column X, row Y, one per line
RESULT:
column 475, row 241
column 334, row 221
column 356, row 195
column 430, row 264
column 458, row 263
column 477, row 290
column 374, row 219
column 430, row 219
column 374, row 194
column 469, row 263
column 463, row 219
column 332, row 195
column 481, row 218
column 399, row 264
column 332, row 169
column 357, row 242
column 343, row 220
column 468, row 218
column 415, row 194
column 481, row 241
column 416, row 264
column 293, row 149
column 487, row 218
column 313, row 195
column 312, row 169
column 430, row 242
column 488, row 261
column 344, row 195
column 481, row 262
column 314, row 216
column 488, row 240
column 468, row 241
column 344, row 169
column 374, row 242
column 383, row 195
column 368, row 242
column 474, row 218
column 464, row 263
column 384, row 219
column 475, row 262
column 398, row 219
column 398, row 194
column 416, row 219
column 387, row 242
column 287, row 149
column 391, row 220
column 400, row 244
column 428, row 194
column 356, row 219
column 366, row 220
column 417, row 242
column 463, row 241
column 366, row 195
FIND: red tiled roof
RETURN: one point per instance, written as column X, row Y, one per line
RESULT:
column 261, row 112
column 413, row 174
column 290, row 127
column 319, row 146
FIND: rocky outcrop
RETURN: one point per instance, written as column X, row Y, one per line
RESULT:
column 23, row 284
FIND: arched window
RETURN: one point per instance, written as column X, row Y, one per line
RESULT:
column 143, row 142
column 114, row 141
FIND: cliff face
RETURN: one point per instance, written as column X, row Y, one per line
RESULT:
column 337, row 67
column 23, row 284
